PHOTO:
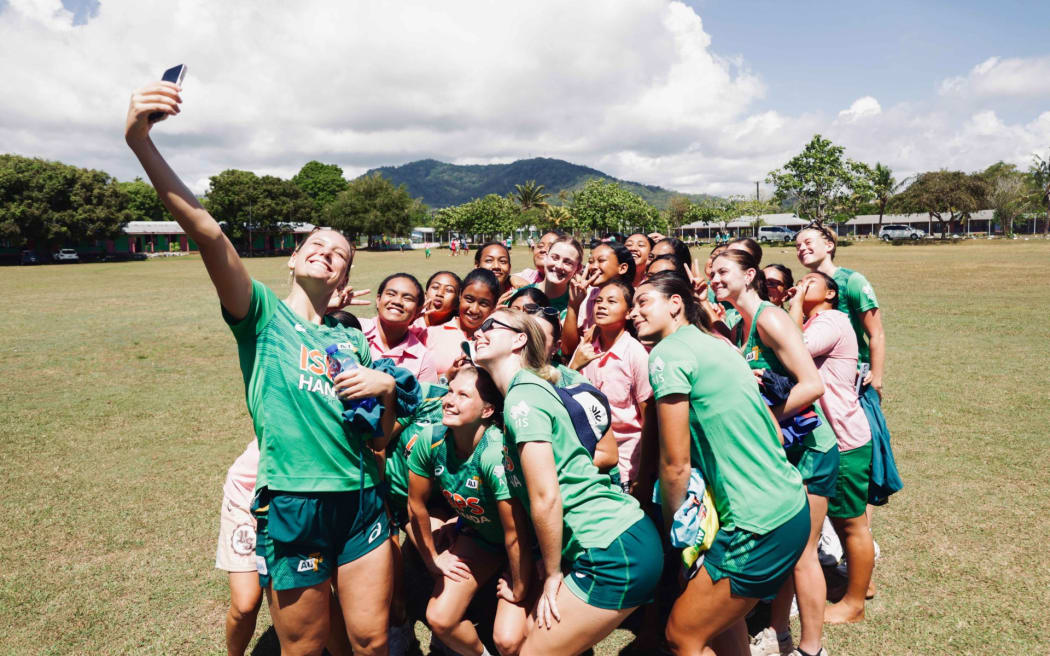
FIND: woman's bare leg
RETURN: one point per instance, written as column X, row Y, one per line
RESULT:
column 704, row 610
column 860, row 561
column 364, row 588
column 448, row 605
column 245, row 599
column 300, row 617
column 810, row 587
column 581, row 627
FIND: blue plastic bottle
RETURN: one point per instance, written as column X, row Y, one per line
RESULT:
column 339, row 362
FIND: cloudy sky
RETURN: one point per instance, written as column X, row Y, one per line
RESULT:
column 699, row 96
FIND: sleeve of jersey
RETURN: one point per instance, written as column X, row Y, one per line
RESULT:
column 420, row 460
column 260, row 309
column 364, row 353
column 494, row 473
column 860, row 294
column 668, row 372
column 524, row 419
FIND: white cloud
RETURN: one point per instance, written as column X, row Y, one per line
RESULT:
column 861, row 108
column 999, row 77
column 632, row 88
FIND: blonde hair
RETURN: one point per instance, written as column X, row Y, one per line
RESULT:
column 534, row 353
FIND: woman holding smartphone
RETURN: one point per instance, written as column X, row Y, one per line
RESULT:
column 321, row 522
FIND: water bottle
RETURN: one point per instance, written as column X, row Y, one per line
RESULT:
column 339, row 362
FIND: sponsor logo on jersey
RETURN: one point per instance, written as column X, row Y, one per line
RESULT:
column 520, row 413
column 472, row 483
column 310, row 564
column 656, row 370
column 499, row 470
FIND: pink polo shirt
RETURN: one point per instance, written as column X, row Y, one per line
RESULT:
column 531, row 276
column 831, row 341
column 622, row 374
column 443, row 342
column 240, row 479
column 410, row 353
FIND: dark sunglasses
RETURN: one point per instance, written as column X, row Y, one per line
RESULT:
column 773, row 283
column 489, row 323
column 532, row 308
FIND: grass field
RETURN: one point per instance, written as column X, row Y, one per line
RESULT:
column 121, row 407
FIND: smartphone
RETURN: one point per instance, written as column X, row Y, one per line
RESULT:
column 173, row 74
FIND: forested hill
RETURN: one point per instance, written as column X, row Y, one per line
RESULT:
column 440, row 184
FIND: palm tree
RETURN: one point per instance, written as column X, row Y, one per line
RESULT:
column 885, row 186
column 1039, row 174
column 558, row 216
column 530, row 195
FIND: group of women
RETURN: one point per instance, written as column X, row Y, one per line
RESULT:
column 479, row 452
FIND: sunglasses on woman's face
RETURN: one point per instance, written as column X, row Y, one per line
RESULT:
column 532, row 308
column 773, row 283
column 490, row 323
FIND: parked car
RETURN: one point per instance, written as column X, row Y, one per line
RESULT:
column 767, row 234
column 29, row 258
column 900, row 231
column 67, row 255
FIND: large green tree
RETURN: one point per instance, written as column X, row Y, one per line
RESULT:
column 250, row 204
column 371, row 205
column 490, row 216
column 143, row 201
column 1008, row 194
column 45, row 203
column 321, row 182
column 604, row 207
column 1039, row 179
column 823, row 184
column 949, row 197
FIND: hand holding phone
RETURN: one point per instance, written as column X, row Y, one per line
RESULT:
column 175, row 75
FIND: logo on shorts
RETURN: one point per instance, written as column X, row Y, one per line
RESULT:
column 260, row 565
column 242, row 541
column 376, row 530
column 439, row 470
column 310, row 564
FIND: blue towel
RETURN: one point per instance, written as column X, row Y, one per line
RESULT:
column 885, row 480
column 775, row 390
column 364, row 417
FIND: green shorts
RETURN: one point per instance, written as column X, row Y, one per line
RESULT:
column 758, row 565
column 398, row 506
column 302, row 537
column 624, row 574
column 819, row 470
column 851, row 490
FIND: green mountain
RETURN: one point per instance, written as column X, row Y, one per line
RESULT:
column 440, row 184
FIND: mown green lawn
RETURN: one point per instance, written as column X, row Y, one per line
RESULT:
column 121, row 407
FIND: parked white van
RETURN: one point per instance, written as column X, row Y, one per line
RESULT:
column 767, row 234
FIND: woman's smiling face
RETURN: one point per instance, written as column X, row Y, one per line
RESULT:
column 398, row 302
column 562, row 263
column 475, row 304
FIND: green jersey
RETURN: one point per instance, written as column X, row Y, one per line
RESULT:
column 417, row 430
column 856, row 297
column 472, row 486
column 594, row 512
column 734, row 442
column 304, row 444
column 760, row 356
column 568, row 376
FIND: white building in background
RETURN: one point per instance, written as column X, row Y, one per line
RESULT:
column 865, row 224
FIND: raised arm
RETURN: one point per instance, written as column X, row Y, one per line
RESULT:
column 227, row 272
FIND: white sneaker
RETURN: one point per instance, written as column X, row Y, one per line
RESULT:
column 764, row 643
column 829, row 548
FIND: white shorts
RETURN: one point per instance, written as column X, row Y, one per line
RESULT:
column 236, row 549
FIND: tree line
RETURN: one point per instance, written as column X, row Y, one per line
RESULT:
column 45, row 203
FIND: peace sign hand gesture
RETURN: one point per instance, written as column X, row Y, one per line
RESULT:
column 346, row 296
column 585, row 353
